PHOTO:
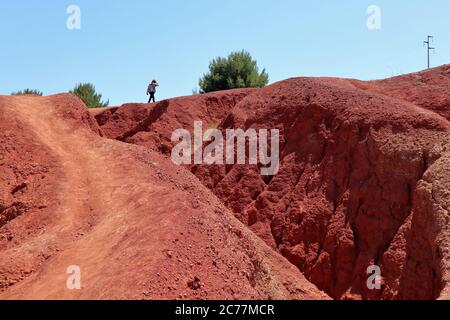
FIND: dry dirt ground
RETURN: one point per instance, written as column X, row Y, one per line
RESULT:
column 137, row 226
column 363, row 181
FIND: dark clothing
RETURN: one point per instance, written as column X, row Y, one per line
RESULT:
column 152, row 97
column 152, row 87
column 151, row 90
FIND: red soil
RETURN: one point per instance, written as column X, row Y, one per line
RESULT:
column 152, row 125
column 363, row 177
column 428, row 89
column 138, row 226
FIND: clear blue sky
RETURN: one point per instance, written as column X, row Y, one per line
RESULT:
column 122, row 45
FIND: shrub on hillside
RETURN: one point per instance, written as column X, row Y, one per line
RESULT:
column 87, row 93
column 238, row 70
column 28, row 91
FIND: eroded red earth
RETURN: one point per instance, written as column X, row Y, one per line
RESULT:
column 363, row 181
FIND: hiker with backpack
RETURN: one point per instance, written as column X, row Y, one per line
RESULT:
column 151, row 90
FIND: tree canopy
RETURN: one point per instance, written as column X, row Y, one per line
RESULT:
column 238, row 70
column 87, row 93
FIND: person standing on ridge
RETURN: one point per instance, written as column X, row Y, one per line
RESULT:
column 152, row 90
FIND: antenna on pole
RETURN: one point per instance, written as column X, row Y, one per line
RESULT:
column 429, row 48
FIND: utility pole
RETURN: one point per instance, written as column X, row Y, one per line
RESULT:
column 429, row 48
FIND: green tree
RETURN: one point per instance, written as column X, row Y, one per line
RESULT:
column 238, row 70
column 28, row 91
column 87, row 93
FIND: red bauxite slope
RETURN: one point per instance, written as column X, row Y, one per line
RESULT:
column 137, row 226
column 363, row 177
column 152, row 125
column 429, row 89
